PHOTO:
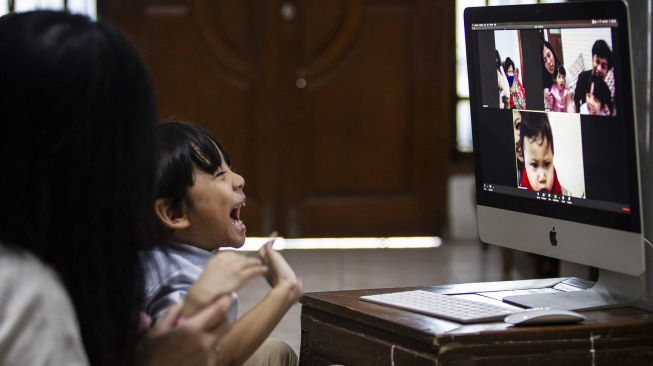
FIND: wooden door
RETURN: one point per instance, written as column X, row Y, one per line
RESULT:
column 337, row 112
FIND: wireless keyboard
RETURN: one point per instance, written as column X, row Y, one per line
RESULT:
column 442, row 306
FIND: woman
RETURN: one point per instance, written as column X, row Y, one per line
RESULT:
column 550, row 64
column 76, row 149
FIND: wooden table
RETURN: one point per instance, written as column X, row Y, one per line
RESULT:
column 338, row 328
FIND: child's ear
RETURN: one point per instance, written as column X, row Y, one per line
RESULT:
column 170, row 217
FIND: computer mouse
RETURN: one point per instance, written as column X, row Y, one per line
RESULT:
column 544, row 316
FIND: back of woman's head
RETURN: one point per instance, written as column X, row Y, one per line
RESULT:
column 76, row 152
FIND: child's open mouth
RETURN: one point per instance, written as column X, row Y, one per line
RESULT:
column 235, row 217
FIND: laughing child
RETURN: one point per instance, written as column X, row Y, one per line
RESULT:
column 198, row 203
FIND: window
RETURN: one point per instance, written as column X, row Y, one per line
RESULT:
column 463, row 119
column 87, row 7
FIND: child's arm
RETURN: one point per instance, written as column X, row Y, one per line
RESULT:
column 224, row 273
column 569, row 98
column 549, row 100
column 249, row 332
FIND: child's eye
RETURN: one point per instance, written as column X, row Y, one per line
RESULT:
column 219, row 173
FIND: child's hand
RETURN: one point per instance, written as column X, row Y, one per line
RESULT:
column 225, row 272
column 192, row 341
column 548, row 98
column 280, row 275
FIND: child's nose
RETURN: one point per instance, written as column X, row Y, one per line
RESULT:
column 239, row 181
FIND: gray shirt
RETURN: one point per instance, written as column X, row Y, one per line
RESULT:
column 169, row 275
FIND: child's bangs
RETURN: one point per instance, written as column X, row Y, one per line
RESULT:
column 206, row 154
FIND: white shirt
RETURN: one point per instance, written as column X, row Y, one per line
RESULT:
column 38, row 325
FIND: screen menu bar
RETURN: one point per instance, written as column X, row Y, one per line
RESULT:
column 558, row 199
column 590, row 23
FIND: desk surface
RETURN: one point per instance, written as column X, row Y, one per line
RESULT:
column 337, row 327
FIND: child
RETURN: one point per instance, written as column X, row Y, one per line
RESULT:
column 598, row 100
column 536, row 140
column 198, row 203
column 560, row 98
column 502, row 83
column 517, row 93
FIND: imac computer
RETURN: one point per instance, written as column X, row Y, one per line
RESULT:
column 555, row 142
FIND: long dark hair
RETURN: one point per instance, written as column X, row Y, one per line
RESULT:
column 76, row 150
column 548, row 79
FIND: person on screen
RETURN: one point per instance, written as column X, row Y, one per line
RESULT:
column 536, row 140
column 597, row 99
column 516, row 124
column 550, row 62
column 601, row 65
column 561, row 98
column 517, row 95
column 518, row 81
column 502, row 83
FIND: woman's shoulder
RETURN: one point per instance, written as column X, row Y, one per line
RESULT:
column 23, row 272
column 39, row 324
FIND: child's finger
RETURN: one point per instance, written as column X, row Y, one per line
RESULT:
column 272, row 237
column 252, row 272
column 267, row 247
column 170, row 318
column 251, row 262
column 263, row 253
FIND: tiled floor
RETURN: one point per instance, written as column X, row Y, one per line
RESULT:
column 321, row 270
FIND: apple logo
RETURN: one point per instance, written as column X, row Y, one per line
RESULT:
column 552, row 237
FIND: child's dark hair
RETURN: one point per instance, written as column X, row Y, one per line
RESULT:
column 534, row 125
column 601, row 91
column 506, row 64
column 180, row 147
column 560, row 70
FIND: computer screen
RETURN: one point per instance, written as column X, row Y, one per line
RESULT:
column 554, row 133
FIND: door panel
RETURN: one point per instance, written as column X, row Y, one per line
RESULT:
column 374, row 112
